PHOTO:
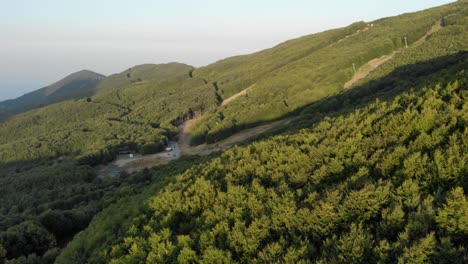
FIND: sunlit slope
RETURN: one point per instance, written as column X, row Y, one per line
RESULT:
column 140, row 117
column 379, row 179
column 237, row 73
column 143, row 73
column 312, row 75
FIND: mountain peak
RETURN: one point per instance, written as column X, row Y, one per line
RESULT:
column 79, row 76
column 77, row 85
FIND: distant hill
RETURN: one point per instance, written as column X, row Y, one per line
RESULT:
column 142, row 73
column 138, row 116
column 75, row 86
column 86, row 83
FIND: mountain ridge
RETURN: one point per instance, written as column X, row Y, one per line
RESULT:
column 77, row 85
column 86, row 83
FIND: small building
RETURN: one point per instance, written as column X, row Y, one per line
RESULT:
column 127, row 152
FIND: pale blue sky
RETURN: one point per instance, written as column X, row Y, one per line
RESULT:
column 43, row 41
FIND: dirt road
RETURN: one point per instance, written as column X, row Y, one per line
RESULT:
column 224, row 144
column 235, row 96
column 182, row 147
column 370, row 66
column 138, row 162
column 367, row 69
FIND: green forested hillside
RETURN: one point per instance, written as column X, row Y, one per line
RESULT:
column 143, row 73
column 150, row 101
column 372, row 174
column 138, row 117
column 237, row 73
column 44, row 204
column 322, row 65
column 49, row 191
column 379, row 181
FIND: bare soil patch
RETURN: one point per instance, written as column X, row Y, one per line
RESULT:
column 235, row 96
column 224, row 144
column 370, row 66
column 367, row 69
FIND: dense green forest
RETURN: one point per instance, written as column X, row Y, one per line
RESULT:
column 376, row 181
column 138, row 117
column 44, row 204
column 373, row 174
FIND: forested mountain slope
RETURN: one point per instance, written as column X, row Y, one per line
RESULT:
column 148, row 102
column 139, row 117
column 75, row 86
column 142, row 73
column 48, row 189
column 372, row 174
column 375, row 181
column 286, row 80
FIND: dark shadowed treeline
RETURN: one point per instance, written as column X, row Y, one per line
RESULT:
column 44, row 204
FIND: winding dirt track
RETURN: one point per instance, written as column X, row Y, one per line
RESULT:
column 233, row 97
column 367, row 69
column 182, row 147
column 222, row 145
column 370, row 66
column 204, row 149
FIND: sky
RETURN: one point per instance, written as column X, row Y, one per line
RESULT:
column 43, row 41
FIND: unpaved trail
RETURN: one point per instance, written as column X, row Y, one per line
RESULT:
column 352, row 35
column 205, row 149
column 182, row 146
column 436, row 27
column 184, row 129
column 370, row 66
column 233, row 97
column 147, row 161
column 139, row 162
column 224, row 144
column 367, row 69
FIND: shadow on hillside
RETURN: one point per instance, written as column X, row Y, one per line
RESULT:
column 62, row 199
column 75, row 192
column 403, row 79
